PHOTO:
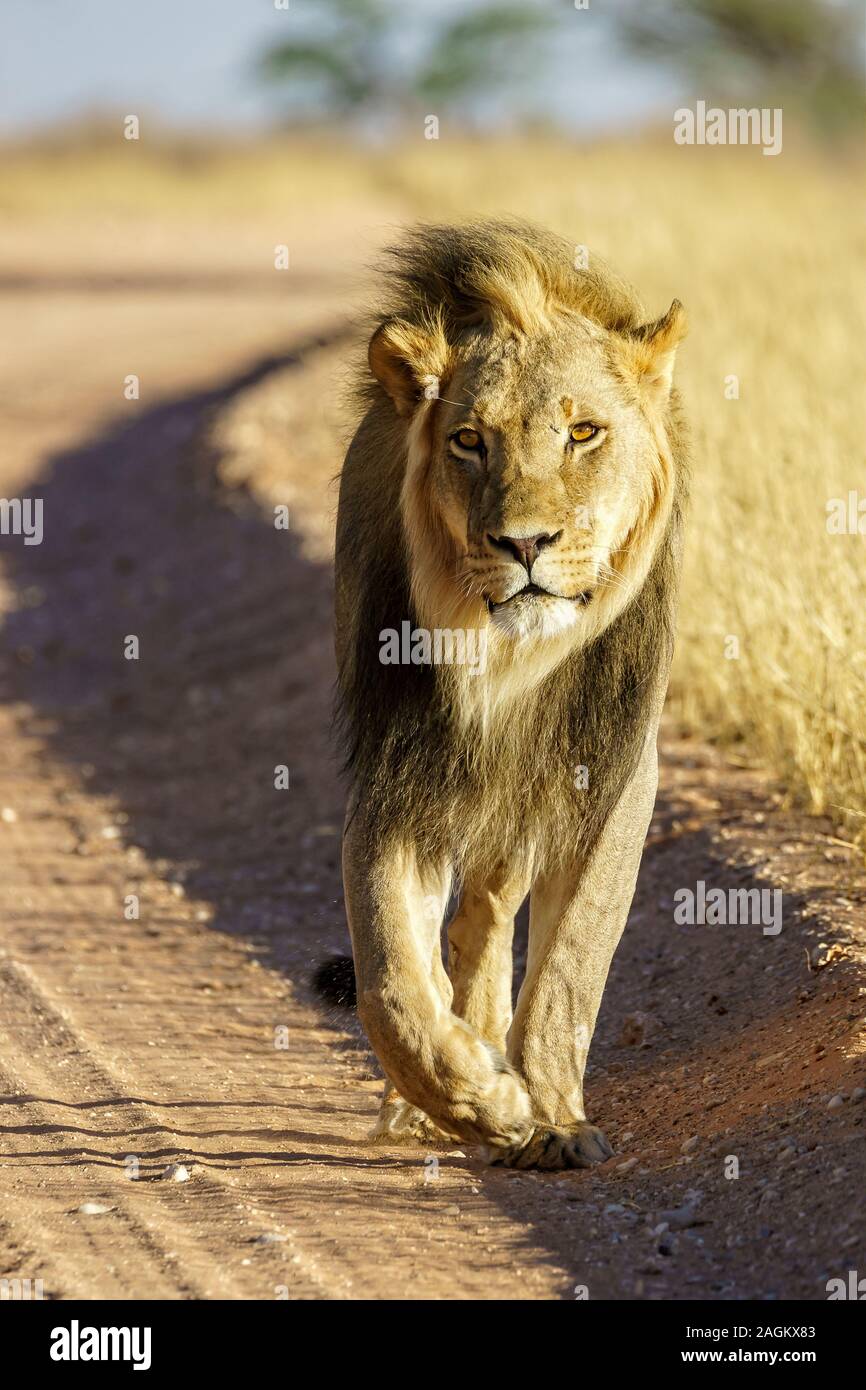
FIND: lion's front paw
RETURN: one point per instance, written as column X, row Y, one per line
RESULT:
column 398, row 1122
column 549, row 1147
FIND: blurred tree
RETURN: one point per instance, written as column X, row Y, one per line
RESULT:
column 805, row 53
column 340, row 68
column 351, row 63
column 372, row 60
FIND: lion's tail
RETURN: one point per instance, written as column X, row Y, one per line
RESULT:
column 334, row 980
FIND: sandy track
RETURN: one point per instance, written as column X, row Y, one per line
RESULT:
column 130, row 1045
column 157, row 1048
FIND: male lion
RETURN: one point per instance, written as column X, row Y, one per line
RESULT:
column 519, row 476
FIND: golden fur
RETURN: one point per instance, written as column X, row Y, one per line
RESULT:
column 564, row 556
column 450, row 757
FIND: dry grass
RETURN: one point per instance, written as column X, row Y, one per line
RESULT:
column 767, row 256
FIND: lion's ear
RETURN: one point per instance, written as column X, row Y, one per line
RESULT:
column 408, row 361
column 652, row 350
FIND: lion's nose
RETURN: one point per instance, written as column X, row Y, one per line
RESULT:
column 525, row 549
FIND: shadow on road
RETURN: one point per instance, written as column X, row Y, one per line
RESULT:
column 234, row 678
column 234, row 673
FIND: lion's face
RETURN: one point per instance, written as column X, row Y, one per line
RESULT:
column 539, row 476
column 543, row 460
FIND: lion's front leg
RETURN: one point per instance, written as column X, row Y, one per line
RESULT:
column 480, row 936
column 398, row 1121
column 435, row 1060
column 575, row 924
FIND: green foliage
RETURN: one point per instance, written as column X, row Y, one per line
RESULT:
column 802, row 53
column 340, row 68
column 350, row 66
column 359, row 58
column 479, row 48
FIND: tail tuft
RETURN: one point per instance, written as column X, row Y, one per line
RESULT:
column 334, row 980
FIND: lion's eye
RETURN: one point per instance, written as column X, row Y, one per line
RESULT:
column 468, row 439
column 579, row 434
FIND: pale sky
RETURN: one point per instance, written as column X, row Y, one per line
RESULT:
column 189, row 62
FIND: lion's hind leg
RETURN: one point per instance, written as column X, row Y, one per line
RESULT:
column 480, row 937
column 398, row 1122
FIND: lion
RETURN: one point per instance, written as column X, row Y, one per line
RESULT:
column 519, row 475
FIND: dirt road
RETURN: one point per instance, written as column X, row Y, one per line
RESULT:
column 180, row 1117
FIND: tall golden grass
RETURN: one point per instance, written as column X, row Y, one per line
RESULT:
column 768, row 256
